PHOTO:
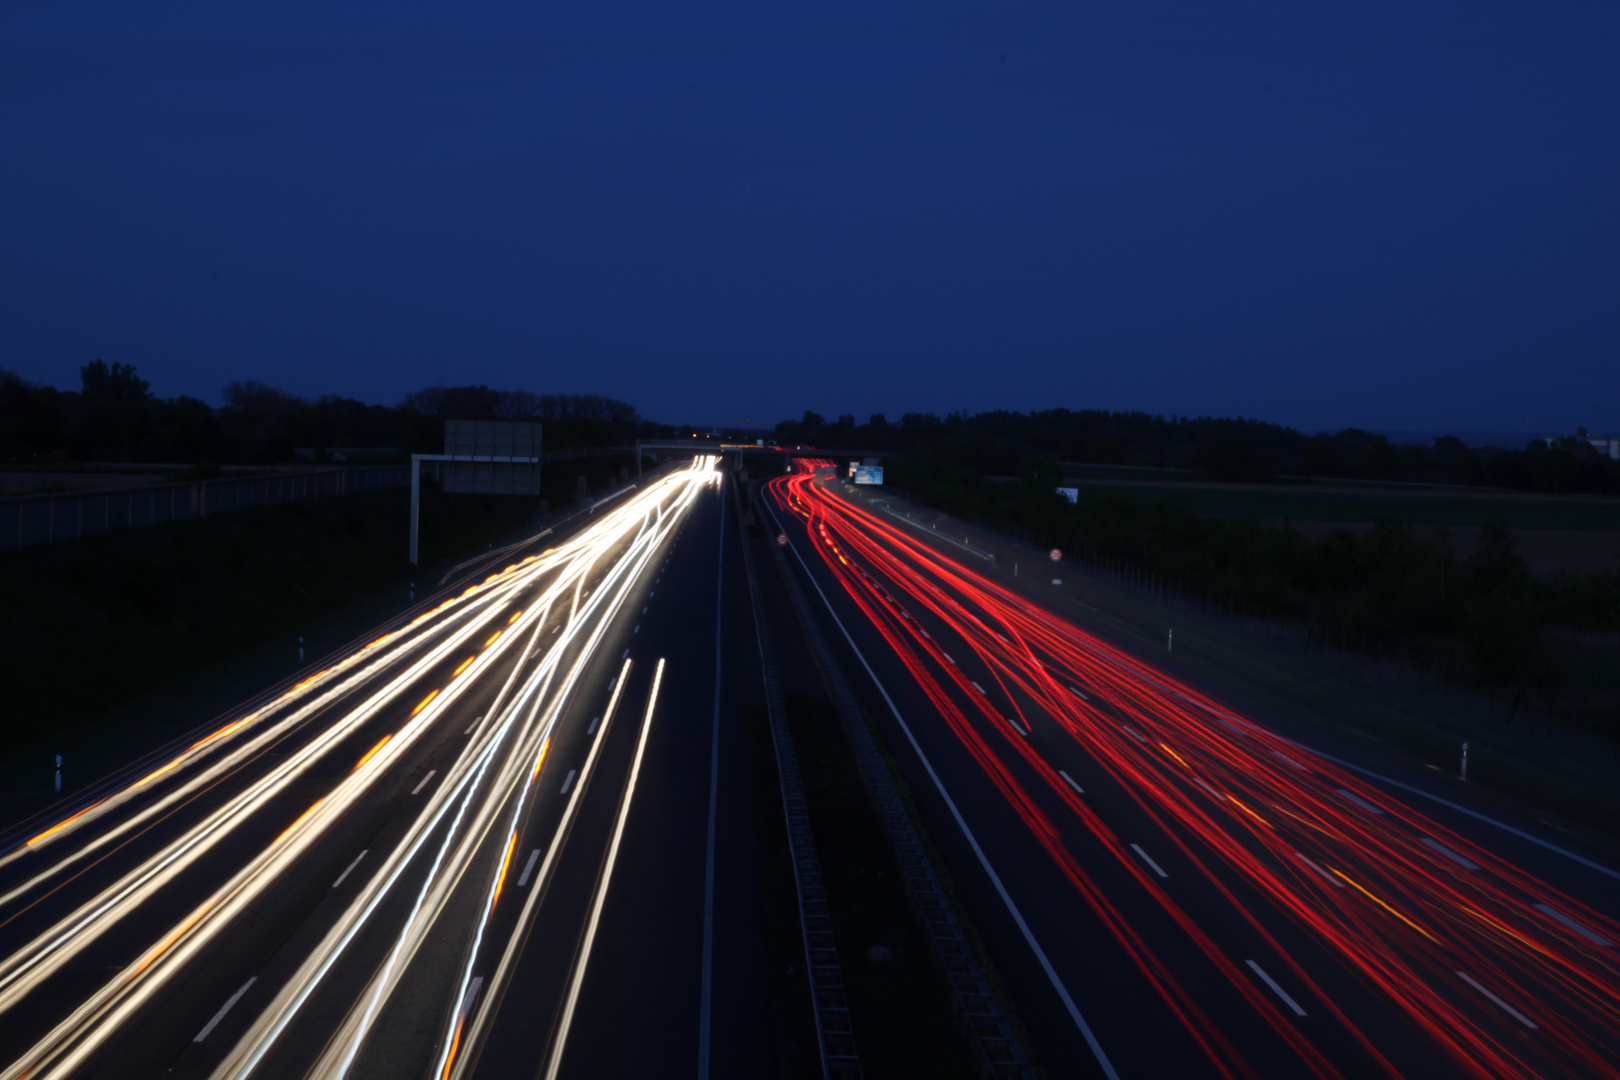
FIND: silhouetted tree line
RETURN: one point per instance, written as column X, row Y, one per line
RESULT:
column 1394, row 591
column 997, row 443
column 114, row 417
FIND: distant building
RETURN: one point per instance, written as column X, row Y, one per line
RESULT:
column 1606, row 445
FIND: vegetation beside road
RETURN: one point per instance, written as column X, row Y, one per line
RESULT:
column 94, row 622
column 1547, row 645
column 998, row 443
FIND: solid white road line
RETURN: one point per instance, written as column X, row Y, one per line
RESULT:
column 1590, row 935
column 1511, row 1011
column 592, row 729
column 1466, row 864
column 561, row 1042
column 961, row 823
column 528, row 867
column 568, row 781
column 1148, row 859
column 349, row 868
column 705, row 998
column 431, row 773
column 1359, row 801
column 1329, row 878
column 1067, row 779
column 1275, row 989
column 223, row 1009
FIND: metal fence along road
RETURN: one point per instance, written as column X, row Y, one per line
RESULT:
column 43, row 519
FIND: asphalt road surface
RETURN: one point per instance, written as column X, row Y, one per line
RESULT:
column 1175, row 885
column 506, row 836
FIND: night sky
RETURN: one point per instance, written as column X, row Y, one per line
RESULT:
column 1325, row 213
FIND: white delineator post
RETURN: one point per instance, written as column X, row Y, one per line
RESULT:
column 59, row 774
column 1464, row 771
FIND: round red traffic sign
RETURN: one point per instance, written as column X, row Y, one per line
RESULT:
column 1055, row 555
column 781, row 538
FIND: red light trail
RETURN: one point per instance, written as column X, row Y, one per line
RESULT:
column 1440, row 926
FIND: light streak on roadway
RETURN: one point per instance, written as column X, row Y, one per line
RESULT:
column 1502, row 972
column 539, row 620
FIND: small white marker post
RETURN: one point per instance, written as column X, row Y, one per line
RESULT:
column 300, row 648
column 1170, row 641
column 413, row 592
column 1464, row 772
column 59, row 774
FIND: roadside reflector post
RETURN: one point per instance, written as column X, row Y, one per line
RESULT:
column 59, row 774
column 300, row 648
column 1464, row 772
column 1170, row 641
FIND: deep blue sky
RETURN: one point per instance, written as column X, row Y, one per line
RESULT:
column 1399, row 215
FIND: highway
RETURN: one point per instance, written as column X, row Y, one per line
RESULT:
column 1171, row 887
column 511, row 834
column 464, row 848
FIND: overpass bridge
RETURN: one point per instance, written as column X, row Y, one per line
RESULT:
column 720, row 447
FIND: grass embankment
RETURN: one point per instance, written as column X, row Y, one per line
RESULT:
column 92, row 623
column 1481, row 621
column 1562, row 773
column 1449, row 509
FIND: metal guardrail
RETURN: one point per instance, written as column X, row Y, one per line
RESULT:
column 44, row 519
column 1001, row 1055
column 834, row 1032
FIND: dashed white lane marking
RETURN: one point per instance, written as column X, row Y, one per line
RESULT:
column 976, row 686
column 1359, row 801
column 417, row 790
column 476, row 721
column 568, row 781
column 350, row 868
column 637, row 630
column 1275, row 989
column 644, row 611
column 612, row 683
column 1285, row 759
column 1217, row 796
column 947, row 657
column 1133, row 733
column 1079, row 693
column 528, row 867
column 626, row 655
column 1067, row 779
column 1466, row 864
column 1590, row 935
column 1329, row 878
column 1510, row 1010
column 1016, row 726
column 223, row 1009
column 1149, row 860
column 592, row 729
